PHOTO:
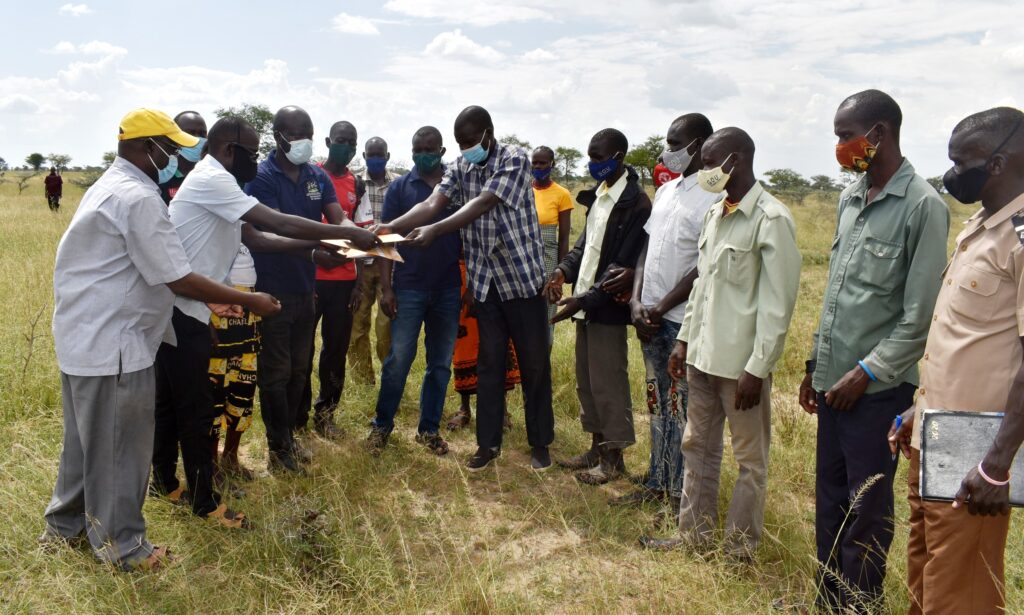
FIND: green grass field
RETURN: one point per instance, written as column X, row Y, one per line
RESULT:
column 407, row 532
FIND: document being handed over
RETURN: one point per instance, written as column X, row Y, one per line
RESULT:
column 386, row 250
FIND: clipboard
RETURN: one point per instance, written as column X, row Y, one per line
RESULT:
column 953, row 442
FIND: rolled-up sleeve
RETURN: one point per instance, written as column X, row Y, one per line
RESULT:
column 777, row 289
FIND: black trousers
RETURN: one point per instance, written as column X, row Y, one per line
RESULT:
column 185, row 414
column 283, row 370
column 331, row 307
column 525, row 322
column 853, row 522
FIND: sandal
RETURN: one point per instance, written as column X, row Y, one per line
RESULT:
column 434, row 442
column 160, row 558
column 459, row 420
column 230, row 518
column 178, row 496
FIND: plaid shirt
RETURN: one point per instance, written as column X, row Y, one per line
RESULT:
column 503, row 247
column 376, row 192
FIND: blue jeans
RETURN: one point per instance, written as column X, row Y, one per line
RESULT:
column 666, row 401
column 438, row 312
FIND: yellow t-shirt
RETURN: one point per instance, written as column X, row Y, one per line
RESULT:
column 551, row 201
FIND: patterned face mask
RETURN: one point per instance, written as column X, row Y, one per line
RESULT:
column 856, row 155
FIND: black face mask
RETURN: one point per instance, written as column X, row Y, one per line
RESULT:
column 243, row 167
column 966, row 186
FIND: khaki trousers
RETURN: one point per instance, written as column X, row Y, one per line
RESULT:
column 360, row 361
column 602, row 383
column 711, row 402
column 954, row 559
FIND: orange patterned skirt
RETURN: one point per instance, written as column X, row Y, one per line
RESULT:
column 467, row 347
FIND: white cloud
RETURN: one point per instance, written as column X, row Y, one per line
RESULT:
column 457, row 45
column 470, row 12
column 63, row 47
column 353, row 24
column 74, row 10
column 19, row 104
column 92, row 48
column 538, row 55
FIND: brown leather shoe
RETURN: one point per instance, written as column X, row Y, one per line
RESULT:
column 587, row 460
column 459, row 420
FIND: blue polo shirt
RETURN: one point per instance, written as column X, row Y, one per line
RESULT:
column 283, row 273
column 433, row 268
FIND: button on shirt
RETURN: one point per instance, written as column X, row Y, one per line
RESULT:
column 111, row 303
column 677, row 216
column 279, row 273
column 973, row 351
column 741, row 304
column 887, row 258
column 503, row 247
column 206, row 211
column 424, row 269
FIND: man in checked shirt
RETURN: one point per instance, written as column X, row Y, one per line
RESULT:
column 505, row 270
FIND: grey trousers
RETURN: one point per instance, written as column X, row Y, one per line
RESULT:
column 104, row 465
column 711, row 402
column 602, row 382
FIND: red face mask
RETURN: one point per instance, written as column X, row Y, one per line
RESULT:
column 856, row 155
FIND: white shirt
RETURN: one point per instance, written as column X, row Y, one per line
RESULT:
column 597, row 223
column 243, row 270
column 673, row 229
column 111, row 303
column 206, row 212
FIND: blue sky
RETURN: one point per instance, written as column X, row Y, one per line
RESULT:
column 551, row 72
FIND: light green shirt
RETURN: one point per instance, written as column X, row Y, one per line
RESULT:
column 883, row 277
column 740, row 307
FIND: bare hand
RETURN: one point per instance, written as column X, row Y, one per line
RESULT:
column 226, row 310
column 469, row 303
column 553, row 289
column 382, row 229
column 808, row 396
column 329, row 259
column 620, row 280
column 899, row 439
column 264, row 304
column 569, row 305
column 364, row 239
column 356, row 299
column 844, row 395
column 421, row 237
column 677, row 361
column 389, row 303
column 748, row 391
column 981, row 496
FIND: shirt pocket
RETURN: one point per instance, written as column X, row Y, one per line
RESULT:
column 736, row 264
column 975, row 294
column 880, row 263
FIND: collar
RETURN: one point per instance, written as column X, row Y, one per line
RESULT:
column 488, row 166
column 212, row 162
column 1003, row 214
column 615, row 191
column 749, row 200
column 896, row 186
column 130, row 169
column 348, row 172
column 688, row 182
column 388, row 178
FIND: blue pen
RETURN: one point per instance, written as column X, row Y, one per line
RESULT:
column 899, row 423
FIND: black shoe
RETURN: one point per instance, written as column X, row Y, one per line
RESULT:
column 301, row 452
column 482, row 458
column 377, row 440
column 540, row 459
column 284, row 463
column 327, row 430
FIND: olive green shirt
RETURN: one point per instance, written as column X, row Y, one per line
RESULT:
column 740, row 307
column 883, row 277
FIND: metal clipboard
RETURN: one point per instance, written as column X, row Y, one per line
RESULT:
column 953, row 442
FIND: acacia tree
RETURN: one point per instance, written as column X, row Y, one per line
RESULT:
column 644, row 157
column 59, row 161
column 513, row 140
column 824, row 183
column 259, row 116
column 936, row 183
column 566, row 161
column 3, row 165
column 787, row 180
column 35, row 160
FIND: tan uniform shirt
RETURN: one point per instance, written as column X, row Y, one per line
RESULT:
column 973, row 351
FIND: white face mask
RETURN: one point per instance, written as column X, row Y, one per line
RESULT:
column 679, row 160
column 300, row 151
column 714, row 180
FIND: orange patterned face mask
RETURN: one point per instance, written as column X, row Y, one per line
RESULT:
column 856, row 155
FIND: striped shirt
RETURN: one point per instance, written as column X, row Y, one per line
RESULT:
column 503, row 247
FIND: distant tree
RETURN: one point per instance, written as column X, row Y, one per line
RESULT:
column 644, row 157
column 59, row 161
column 936, row 183
column 824, row 183
column 847, row 177
column 3, row 165
column 787, row 180
column 35, row 160
column 25, row 179
column 259, row 116
column 108, row 159
column 512, row 139
column 566, row 161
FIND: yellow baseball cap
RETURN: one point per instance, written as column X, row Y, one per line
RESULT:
column 151, row 123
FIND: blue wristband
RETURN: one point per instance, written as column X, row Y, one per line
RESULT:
column 867, row 370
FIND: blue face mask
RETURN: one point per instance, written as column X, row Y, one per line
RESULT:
column 165, row 174
column 376, row 166
column 601, row 170
column 194, row 153
column 542, row 175
column 477, row 153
